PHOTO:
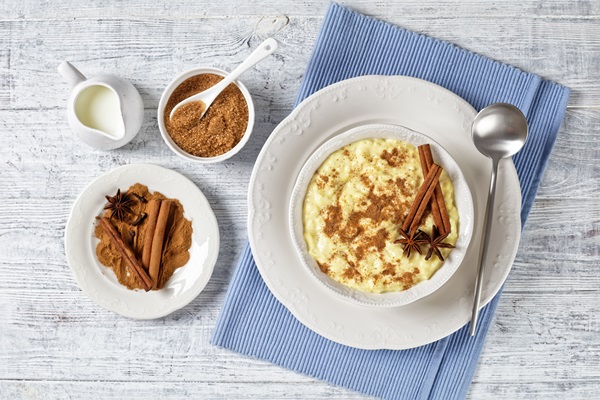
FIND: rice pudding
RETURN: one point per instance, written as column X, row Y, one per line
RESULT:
column 353, row 207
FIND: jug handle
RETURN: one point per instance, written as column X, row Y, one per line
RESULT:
column 70, row 74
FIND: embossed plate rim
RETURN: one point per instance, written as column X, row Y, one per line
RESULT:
column 418, row 105
column 99, row 283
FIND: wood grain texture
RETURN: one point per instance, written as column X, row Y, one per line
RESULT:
column 116, row 390
column 559, row 45
column 55, row 343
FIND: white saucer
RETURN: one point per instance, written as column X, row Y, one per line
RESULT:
column 100, row 283
column 418, row 105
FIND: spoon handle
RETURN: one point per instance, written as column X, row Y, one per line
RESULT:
column 487, row 228
column 265, row 49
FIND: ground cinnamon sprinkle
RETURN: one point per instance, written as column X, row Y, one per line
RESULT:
column 323, row 267
column 177, row 241
column 219, row 130
column 379, row 206
column 393, row 158
column 322, row 181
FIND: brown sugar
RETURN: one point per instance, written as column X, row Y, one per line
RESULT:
column 188, row 115
column 219, row 130
column 178, row 239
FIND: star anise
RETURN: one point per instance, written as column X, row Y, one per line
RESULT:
column 411, row 241
column 119, row 205
column 435, row 243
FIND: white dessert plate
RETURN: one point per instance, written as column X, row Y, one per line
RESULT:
column 417, row 105
column 100, row 283
column 462, row 199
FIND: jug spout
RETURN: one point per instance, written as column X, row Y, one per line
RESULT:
column 70, row 74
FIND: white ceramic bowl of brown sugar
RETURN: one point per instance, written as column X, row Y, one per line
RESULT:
column 223, row 130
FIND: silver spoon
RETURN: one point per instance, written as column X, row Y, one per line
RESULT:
column 499, row 131
column 209, row 95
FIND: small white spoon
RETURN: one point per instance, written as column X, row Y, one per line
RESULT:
column 209, row 95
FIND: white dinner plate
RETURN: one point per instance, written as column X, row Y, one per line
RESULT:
column 100, row 282
column 418, row 105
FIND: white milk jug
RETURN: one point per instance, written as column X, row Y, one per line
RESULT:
column 105, row 111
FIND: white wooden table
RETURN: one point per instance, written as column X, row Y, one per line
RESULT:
column 55, row 343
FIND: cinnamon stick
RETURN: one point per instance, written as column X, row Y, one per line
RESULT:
column 126, row 253
column 158, row 241
column 153, row 208
column 441, row 218
column 435, row 210
column 417, row 209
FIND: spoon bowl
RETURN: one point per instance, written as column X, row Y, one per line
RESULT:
column 499, row 131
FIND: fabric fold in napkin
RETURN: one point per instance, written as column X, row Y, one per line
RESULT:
column 254, row 323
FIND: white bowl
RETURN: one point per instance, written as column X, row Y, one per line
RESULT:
column 462, row 198
column 165, row 98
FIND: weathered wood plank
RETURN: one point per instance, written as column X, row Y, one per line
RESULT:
column 59, row 345
column 183, row 9
column 16, row 390
column 534, row 390
column 149, row 61
column 180, row 44
column 574, row 167
column 197, row 389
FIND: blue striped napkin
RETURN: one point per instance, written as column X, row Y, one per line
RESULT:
column 254, row 323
